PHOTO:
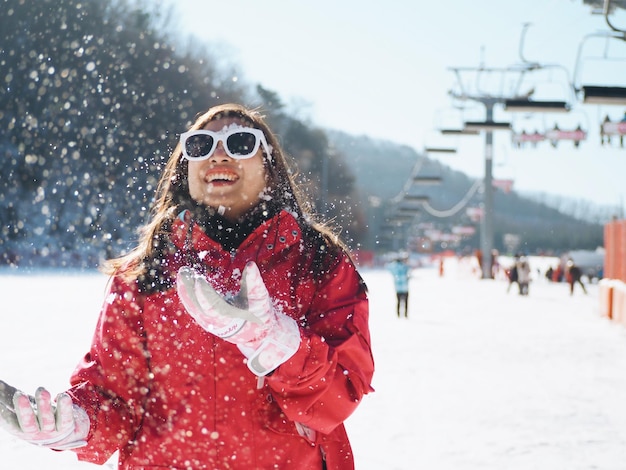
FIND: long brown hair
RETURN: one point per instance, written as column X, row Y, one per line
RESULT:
column 173, row 192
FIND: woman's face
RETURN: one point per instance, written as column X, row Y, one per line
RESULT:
column 224, row 183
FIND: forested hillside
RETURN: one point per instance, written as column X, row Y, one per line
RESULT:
column 93, row 96
column 383, row 168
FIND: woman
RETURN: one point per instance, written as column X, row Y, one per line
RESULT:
column 235, row 335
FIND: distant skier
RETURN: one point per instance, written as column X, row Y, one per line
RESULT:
column 399, row 268
column 574, row 275
column 523, row 275
column 512, row 275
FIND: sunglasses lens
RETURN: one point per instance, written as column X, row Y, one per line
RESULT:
column 241, row 143
column 198, row 145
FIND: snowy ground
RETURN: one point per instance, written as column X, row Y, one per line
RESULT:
column 475, row 378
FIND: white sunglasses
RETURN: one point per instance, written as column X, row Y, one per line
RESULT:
column 239, row 143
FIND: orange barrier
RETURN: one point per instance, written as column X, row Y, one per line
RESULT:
column 620, row 250
column 614, row 250
column 613, row 287
column 618, row 313
column 605, row 294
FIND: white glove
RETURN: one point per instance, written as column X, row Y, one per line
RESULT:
column 265, row 336
column 59, row 425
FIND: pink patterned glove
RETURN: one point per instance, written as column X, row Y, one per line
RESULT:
column 58, row 425
column 265, row 336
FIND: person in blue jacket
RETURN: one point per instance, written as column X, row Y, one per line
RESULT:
column 399, row 268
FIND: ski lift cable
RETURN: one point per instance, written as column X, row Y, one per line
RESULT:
column 457, row 207
column 407, row 186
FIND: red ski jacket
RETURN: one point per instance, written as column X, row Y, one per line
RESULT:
column 167, row 394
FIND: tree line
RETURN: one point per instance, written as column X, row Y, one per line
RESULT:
column 93, row 96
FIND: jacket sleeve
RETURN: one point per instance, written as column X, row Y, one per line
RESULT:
column 110, row 383
column 322, row 384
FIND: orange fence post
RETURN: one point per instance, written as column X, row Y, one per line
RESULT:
column 605, row 295
column 619, row 302
column 609, row 250
column 612, row 288
column 620, row 254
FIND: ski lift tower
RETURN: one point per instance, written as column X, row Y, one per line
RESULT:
column 489, row 99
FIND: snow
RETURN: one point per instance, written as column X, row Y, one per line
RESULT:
column 475, row 378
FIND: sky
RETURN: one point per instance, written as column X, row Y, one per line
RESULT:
column 384, row 69
column 485, row 380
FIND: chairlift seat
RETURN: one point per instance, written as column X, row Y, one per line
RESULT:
column 427, row 180
column 576, row 135
column 440, row 150
column 459, row 132
column 416, row 198
column 530, row 106
column 610, row 95
column 614, row 128
column 523, row 137
column 487, row 126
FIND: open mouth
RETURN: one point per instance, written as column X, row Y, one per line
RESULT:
column 221, row 178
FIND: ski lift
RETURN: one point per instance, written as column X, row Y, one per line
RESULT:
column 440, row 150
column 608, row 93
column 575, row 135
column 405, row 199
column 535, row 134
column 610, row 129
column 491, row 86
column 415, row 198
column 427, row 180
column 410, row 204
column 487, row 126
column 527, row 103
column 435, row 143
column 520, row 139
column 459, row 131
column 451, row 124
column 407, row 210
